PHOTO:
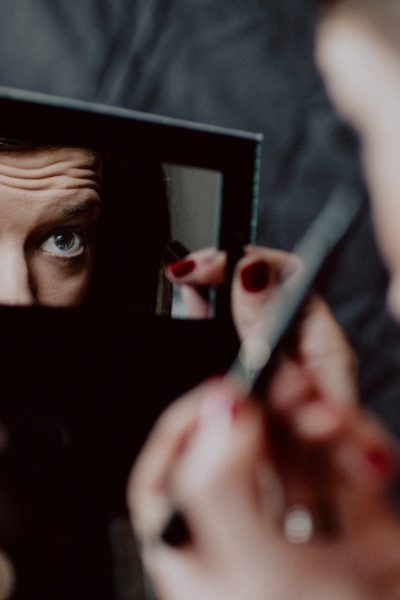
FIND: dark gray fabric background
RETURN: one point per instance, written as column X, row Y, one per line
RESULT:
column 243, row 64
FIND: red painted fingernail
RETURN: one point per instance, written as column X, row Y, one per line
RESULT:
column 256, row 276
column 182, row 267
column 222, row 408
column 236, row 409
column 379, row 460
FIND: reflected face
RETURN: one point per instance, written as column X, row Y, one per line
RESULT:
column 363, row 77
column 49, row 208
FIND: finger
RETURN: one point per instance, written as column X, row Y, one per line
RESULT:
column 364, row 463
column 295, row 395
column 223, row 473
column 337, row 461
column 289, row 387
column 148, row 480
column 148, row 486
column 203, row 267
column 195, row 305
column 223, row 415
column 257, row 276
column 329, row 358
column 323, row 367
column 192, row 276
column 305, row 426
column 366, row 453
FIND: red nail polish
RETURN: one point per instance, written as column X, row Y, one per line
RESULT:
column 255, row 277
column 379, row 460
column 222, row 408
column 182, row 267
column 236, row 409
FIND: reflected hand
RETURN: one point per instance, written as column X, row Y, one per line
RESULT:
column 204, row 267
column 211, row 455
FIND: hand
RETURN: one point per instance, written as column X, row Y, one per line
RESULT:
column 320, row 346
column 210, row 454
column 236, row 478
column 255, row 279
column 205, row 267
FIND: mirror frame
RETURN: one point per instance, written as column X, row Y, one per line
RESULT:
column 68, row 406
column 235, row 154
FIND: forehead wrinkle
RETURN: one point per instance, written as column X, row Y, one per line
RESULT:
column 41, row 170
column 42, row 157
column 59, row 182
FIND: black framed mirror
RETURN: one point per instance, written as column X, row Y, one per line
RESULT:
column 157, row 179
column 81, row 388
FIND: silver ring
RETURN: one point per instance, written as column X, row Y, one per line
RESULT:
column 298, row 524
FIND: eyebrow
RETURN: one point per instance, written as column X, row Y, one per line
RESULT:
column 81, row 207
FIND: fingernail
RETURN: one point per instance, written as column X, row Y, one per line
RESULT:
column 256, row 276
column 379, row 460
column 182, row 267
column 371, row 463
column 221, row 408
column 216, row 423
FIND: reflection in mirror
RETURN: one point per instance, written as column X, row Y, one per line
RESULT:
column 80, row 226
column 49, row 210
column 87, row 227
column 194, row 196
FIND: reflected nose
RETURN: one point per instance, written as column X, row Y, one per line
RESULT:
column 15, row 284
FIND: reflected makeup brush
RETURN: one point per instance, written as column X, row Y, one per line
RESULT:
column 175, row 251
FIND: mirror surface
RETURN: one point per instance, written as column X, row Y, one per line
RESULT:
column 194, row 214
column 195, row 204
column 50, row 201
column 73, row 219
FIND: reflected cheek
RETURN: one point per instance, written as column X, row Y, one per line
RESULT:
column 61, row 282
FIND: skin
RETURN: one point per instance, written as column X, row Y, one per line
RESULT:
column 49, row 206
column 355, row 61
column 209, row 450
column 216, row 456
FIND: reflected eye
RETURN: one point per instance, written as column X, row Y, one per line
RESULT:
column 68, row 244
